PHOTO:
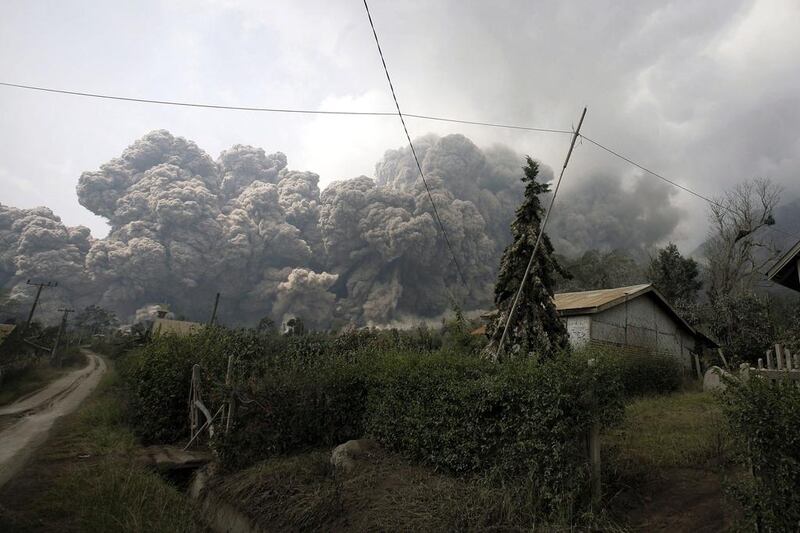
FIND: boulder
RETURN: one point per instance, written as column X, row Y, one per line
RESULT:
column 712, row 380
column 344, row 456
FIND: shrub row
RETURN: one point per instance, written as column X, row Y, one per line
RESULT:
column 521, row 418
column 764, row 419
column 459, row 413
column 158, row 375
column 643, row 373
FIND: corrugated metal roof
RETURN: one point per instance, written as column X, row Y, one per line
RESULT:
column 785, row 269
column 590, row 301
column 175, row 327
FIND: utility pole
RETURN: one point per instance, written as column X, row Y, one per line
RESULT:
column 61, row 329
column 36, row 300
column 575, row 136
column 214, row 312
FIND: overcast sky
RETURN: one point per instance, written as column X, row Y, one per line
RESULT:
column 707, row 93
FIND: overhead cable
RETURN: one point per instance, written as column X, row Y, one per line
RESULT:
column 676, row 184
column 276, row 109
column 414, row 152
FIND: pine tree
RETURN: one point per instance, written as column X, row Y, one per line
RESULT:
column 535, row 329
column 675, row 276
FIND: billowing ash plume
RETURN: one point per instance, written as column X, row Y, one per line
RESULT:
column 602, row 214
column 36, row 245
column 184, row 226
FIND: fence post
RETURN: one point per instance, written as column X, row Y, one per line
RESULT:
column 594, row 448
column 231, row 399
column 779, row 356
column 769, row 359
column 697, row 367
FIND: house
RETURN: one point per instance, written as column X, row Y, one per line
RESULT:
column 786, row 271
column 636, row 318
column 168, row 326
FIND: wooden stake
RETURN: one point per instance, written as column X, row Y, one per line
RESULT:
column 697, row 367
column 725, row 361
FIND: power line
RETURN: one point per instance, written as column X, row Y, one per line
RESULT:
column 414, row 152
column 195, row 104
column 676, row 184
column 276, row 109
column 376, row 114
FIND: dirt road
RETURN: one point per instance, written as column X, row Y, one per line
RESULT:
column 26, row 422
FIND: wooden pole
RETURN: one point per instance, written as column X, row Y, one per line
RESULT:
column 594, row 450
column 697, row 367
column 36, row 299
column 214, row 312
column 61, row 328
column 231, row 399
column 725, row 361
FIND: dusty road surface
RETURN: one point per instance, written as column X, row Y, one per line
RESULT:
column 24, row 424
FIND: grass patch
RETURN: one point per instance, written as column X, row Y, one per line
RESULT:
column 385, row 492
column 661, row 434
column 83, row 478
column 679, row 430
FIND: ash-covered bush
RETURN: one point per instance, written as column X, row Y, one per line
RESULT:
column 519, row 418
column 288, row 409
column 158, row 378
column 641, row 372
column 764, row 419
column 455, row 411
column 158, row 375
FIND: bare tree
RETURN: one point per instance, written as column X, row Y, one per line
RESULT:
column 736, row 250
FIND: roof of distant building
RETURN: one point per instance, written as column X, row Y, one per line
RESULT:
column 785, row 269
column 175, row 327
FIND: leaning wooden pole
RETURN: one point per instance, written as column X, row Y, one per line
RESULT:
column 538, row 239
column 214, row 312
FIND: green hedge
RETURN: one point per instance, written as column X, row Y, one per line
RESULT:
column 521, row 418
column 457, row 412
column 642, row 373
column 289, row 409
column 461, row 414
column 158, row 379
column 764, row 419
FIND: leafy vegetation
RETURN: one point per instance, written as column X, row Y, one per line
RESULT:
column 523, row 420
column 764, row 419
column 642, row 372
column 675, row 276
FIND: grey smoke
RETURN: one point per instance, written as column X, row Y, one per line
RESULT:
column 601, row 213
column 184, row 226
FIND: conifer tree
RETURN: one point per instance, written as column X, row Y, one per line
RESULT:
column 535, row 329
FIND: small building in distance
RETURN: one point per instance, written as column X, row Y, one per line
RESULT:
column 786, row 270
column 168, row 326
column 635, row 317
